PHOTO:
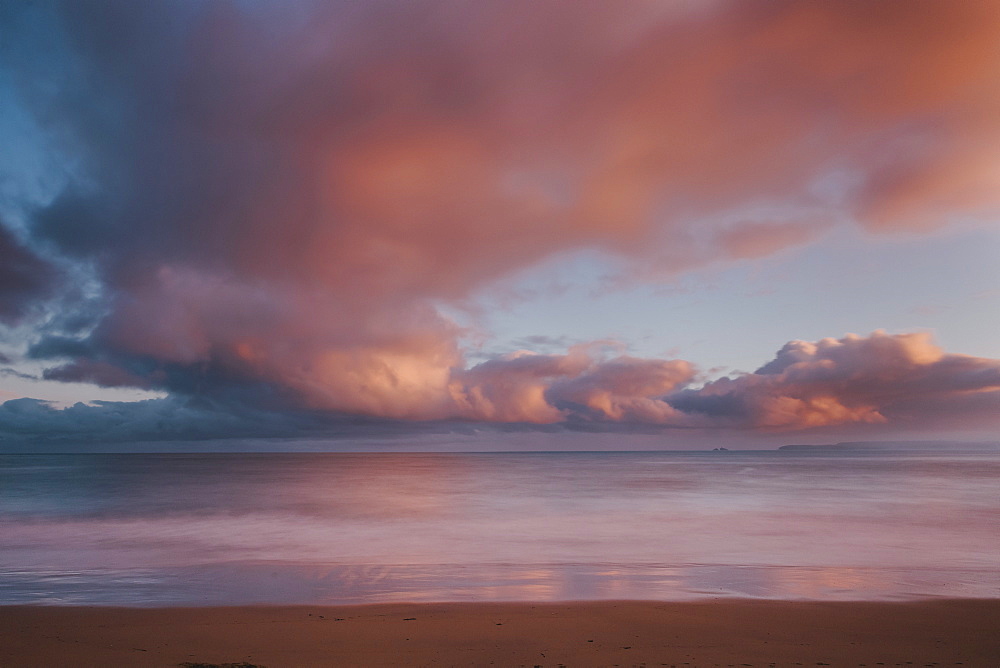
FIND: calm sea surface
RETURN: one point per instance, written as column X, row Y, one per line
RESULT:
column 208, row 529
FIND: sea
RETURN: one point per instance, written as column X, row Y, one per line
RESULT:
column 344, row 528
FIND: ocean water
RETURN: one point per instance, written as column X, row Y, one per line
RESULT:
column 212, row 529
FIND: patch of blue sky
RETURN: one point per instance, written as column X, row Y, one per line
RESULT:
column 734, row 317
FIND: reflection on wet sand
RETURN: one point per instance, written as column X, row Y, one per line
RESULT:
column 263, row 583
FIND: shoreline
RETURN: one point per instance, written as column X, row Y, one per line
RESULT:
column 740, row 632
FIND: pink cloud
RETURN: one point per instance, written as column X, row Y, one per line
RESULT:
column 525, row 387
column 879, row 378
column 302, row 193
column 755, row 240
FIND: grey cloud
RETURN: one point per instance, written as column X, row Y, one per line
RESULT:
column 27, row 421
column 26, row 279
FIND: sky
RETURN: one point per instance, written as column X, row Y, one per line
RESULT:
column 655, row 222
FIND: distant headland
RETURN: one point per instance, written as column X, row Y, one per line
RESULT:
column 898, row 445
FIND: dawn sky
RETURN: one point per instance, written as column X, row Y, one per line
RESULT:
column 277, row 219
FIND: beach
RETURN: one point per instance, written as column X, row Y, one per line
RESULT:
column 687, row 559
column 725, row 632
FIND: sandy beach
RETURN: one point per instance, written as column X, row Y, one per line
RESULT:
column 717, row 633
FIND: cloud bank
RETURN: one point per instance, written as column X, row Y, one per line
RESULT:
column 904, row 379
column 272, row 200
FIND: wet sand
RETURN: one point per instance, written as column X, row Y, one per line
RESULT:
column 716, row 633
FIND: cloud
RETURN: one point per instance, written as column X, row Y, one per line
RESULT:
column 25, row 279
column 627, row 389
column 154, row 419
column 26, row 421
column 902, row 378
column 273, row 199
column 527, row 387
column 754, row 240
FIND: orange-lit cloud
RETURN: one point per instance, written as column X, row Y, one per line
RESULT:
column 275, row 198
column 525, row 387
column 871, row 379
column 901, row 380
